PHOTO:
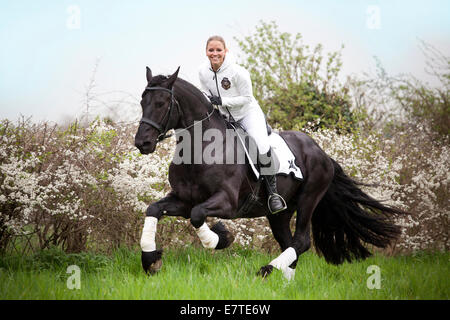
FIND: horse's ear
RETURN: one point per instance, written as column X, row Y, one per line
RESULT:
column 149, row 74
column 172, row 78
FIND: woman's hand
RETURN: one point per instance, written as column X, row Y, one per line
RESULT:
column 215, row 100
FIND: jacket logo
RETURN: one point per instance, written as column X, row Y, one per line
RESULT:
column 226, row 84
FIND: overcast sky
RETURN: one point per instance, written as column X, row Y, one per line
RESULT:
column 48, row 49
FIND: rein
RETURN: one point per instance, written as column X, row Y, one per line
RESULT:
column 163, row 132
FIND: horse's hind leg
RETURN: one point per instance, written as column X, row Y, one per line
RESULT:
column 319, row 179
column 279, row 224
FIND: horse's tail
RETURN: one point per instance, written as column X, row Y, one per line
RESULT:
column 346, row 217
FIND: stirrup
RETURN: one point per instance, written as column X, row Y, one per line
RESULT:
column 282, row 200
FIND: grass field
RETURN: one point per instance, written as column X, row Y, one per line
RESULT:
column 198, row 274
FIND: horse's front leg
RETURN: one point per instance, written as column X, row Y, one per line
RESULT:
column 170, row 206
column 220, row 206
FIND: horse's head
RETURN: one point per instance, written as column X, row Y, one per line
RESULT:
column 158, row 107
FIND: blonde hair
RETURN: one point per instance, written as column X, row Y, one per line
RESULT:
column 216, row 38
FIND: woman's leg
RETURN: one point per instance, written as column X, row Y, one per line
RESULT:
column 255, row 125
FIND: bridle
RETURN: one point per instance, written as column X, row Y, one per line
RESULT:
column 163, row 132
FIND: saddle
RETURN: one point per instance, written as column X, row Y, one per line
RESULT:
column 284, row 158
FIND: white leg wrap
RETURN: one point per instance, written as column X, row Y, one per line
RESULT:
column 283, row 261
column 208, row 238
column 148, row 234
column 288, row 273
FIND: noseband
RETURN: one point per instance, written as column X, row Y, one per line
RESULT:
column 162, row 131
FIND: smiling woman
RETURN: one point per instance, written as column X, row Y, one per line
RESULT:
column 216, row 51
column 235, row 100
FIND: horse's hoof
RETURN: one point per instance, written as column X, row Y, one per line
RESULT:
column 226, row 238
column 265, row 271
column 151, row 261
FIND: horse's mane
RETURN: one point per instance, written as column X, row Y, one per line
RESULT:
column 193, row 90
column 185, row 86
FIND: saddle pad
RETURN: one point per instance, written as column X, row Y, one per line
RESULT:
column 285, row 156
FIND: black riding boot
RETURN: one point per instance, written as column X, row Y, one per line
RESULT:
column 275, row 202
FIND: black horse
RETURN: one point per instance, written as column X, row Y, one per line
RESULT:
column 343, row 218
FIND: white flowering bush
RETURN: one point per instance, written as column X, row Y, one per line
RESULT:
column 423, row 186
column 409, row 170
column 88, row 187
column 74, row 187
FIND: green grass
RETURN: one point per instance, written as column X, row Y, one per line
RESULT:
column 197, row 273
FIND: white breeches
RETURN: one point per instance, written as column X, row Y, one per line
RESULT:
column 255, row 124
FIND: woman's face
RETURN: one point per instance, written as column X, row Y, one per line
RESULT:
column 215, row 51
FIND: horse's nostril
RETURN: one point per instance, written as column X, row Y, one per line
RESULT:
column 138, row 143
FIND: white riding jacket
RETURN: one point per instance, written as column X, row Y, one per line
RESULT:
column 233, row 84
